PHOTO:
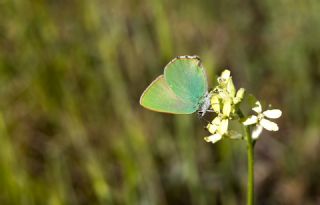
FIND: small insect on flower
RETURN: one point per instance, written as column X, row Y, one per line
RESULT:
column 260, row 120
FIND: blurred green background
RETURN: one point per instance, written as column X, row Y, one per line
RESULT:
column 71, row 127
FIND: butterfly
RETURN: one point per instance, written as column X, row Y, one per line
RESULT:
column 182, row 89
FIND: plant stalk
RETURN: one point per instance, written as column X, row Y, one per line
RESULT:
column 250, row 157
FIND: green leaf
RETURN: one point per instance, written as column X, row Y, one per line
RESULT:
column 252, row 100
column 234, row 135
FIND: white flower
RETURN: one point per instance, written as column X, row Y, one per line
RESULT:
column 261, row 121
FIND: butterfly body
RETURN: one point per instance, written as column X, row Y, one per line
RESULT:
column 182, row 89
column 205, row 105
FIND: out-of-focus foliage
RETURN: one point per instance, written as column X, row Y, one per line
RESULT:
column 71, row 74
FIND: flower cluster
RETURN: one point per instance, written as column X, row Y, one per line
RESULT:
column 225, row 102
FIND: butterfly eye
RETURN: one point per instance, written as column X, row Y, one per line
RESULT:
column 200, row 114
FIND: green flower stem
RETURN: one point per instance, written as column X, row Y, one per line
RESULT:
column 250, row 157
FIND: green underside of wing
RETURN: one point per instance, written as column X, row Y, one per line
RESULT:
column 187, row 78
column 161, row 98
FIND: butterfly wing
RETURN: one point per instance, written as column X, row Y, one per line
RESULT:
column 161, row 98
column 186, row 76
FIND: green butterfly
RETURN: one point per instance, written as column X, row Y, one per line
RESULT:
column 182, row 89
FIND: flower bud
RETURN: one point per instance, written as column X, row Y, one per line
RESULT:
column 239, row 96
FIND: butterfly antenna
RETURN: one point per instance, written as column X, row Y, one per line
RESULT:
column 210, row 111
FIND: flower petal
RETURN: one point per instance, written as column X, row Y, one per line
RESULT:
column 250, row 120
column 240, row 93
column 214, row 125
column 213, row 138
column 225, row 74
column 268, row 125
column 256, row 132
column 216, row 121
column 226, row 107
column 239, row 96
column 230, row 88
column 223, row 128
column 273, row 114
column 215, row 104
column 257, row 108
column 212, row 128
